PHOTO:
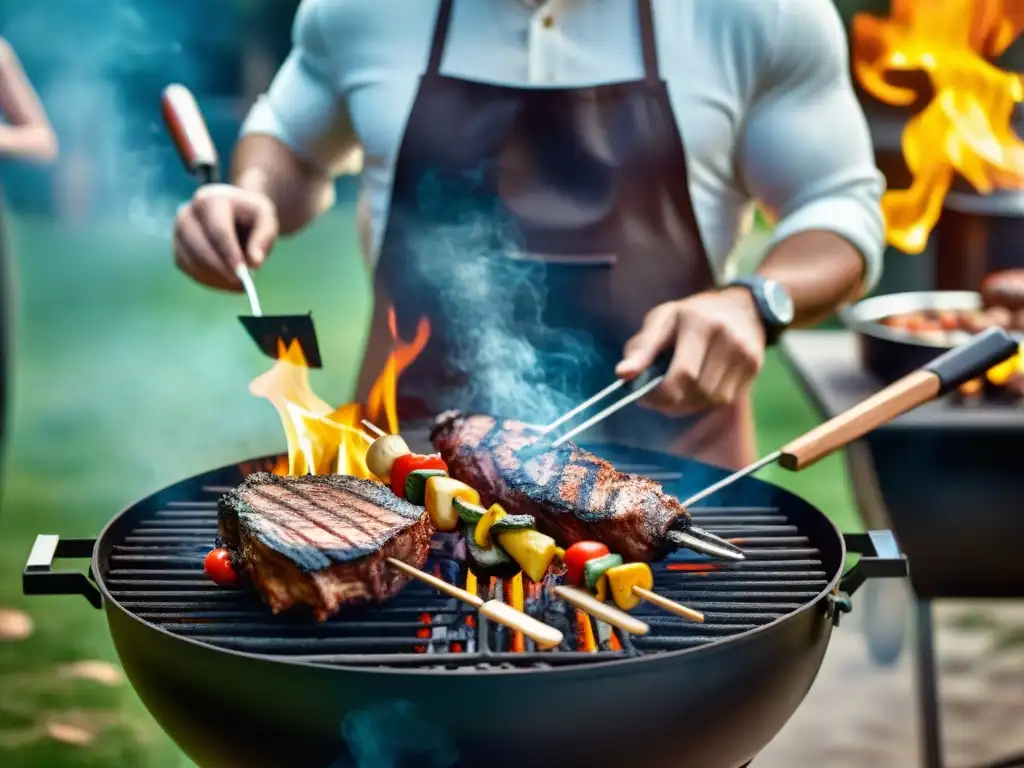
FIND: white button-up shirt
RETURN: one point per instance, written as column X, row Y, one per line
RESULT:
column 760, row 90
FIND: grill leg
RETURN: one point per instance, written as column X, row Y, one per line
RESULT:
column 928, row 688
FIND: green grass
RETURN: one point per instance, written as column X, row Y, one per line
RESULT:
column 128, row 378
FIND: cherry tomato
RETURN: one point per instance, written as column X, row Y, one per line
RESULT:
column 219, row 568
column 577, row 556
column 410, row 462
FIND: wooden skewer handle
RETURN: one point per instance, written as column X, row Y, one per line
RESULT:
column 439, row 584
column 601, row 611
column 503, row 613
column 942, row 375
column 543, row 635
column 189, row 133
column 671, row 606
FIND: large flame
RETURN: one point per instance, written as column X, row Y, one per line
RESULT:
column 965, row 128
column 325, row 440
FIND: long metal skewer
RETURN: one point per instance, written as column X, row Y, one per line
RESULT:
column 750, row 469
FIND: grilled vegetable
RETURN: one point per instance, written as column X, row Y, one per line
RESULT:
column 468, row 512
column 531, row 549
column 601, row 590
column 219, row 568
column 622, row 579
column 402, row 466
column 512, row 523
column 488, row 562
column 596, row 568
column 577, row 556
column 439, row 499
column 416, row 484
column 382, row 455
column 482, row 535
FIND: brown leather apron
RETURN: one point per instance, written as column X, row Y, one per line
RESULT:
column 534, row 228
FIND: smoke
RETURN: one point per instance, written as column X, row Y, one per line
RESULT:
column 394, row 735
column 491, row 304
column 99, row 66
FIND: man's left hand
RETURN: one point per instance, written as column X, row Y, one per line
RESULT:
column 717, row 341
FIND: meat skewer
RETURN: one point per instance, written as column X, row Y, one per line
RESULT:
column 572, row 493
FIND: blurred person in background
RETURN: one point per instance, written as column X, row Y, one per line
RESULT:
column 25, row 134
column 625, row 142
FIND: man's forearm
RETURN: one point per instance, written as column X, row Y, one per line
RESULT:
column 265, row 165
column 820, row 270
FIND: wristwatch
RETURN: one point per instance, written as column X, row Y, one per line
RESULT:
column 773, row 302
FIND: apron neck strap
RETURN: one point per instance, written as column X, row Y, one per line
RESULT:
column 444, row 15
column 647, row 39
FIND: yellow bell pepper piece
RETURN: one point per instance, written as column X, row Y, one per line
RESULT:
column 441, row 492
column 622, row 579
column 601, row 590
column 532, row 550
column 482, row 534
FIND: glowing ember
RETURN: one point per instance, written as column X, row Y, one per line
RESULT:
column 1002, row 373
column 324, row 440
column 965, row 128
column 513, row 594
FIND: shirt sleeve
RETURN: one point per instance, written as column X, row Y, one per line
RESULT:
column 303, row 107
column 806, row 152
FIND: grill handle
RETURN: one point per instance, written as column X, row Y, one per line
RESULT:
column 944, row 374
column 881, row 558
column 39, row 578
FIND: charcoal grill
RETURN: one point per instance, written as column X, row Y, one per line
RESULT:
column 234, row 685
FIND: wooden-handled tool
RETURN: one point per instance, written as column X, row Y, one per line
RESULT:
column 941, row 376
column 495, row 610
column 191, row 138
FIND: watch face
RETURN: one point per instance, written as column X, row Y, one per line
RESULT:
column 779, row 302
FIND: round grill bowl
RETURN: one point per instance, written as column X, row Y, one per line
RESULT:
column 717, row 700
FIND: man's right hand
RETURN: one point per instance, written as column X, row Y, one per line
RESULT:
column 221, row 227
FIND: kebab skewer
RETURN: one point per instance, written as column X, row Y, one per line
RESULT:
column 501, row 544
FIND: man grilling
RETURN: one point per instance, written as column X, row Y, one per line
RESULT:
column 584, row 168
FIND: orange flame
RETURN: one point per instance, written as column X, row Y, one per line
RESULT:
column 321, row 439
column 965, row 128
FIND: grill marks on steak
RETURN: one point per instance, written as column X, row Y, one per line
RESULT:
column 322, row 541
column 573, row 494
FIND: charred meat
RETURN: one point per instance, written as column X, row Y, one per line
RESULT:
column 322, row 541
column 572, row 494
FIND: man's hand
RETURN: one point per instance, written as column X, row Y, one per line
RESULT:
column 221, row 227
column 717, row 342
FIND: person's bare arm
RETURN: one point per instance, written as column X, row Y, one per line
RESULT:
column 27, row 133
column 297, row 134
column 806, row 155
column 266, row 165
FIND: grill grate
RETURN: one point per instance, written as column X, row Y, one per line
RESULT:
column 156, row 572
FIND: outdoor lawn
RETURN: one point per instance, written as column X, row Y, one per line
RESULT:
column 129, row 378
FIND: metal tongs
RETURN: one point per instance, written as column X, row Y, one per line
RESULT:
column 694, row 537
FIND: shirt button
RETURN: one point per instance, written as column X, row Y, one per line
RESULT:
column 548, row 21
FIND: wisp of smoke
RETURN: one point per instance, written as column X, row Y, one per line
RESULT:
column 102, row 64
column 394, row 735
column 493, row 303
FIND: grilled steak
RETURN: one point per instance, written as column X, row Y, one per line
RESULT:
column 573, row 494
column 322, row 541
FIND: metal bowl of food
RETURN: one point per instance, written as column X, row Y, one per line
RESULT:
column 898, row 333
